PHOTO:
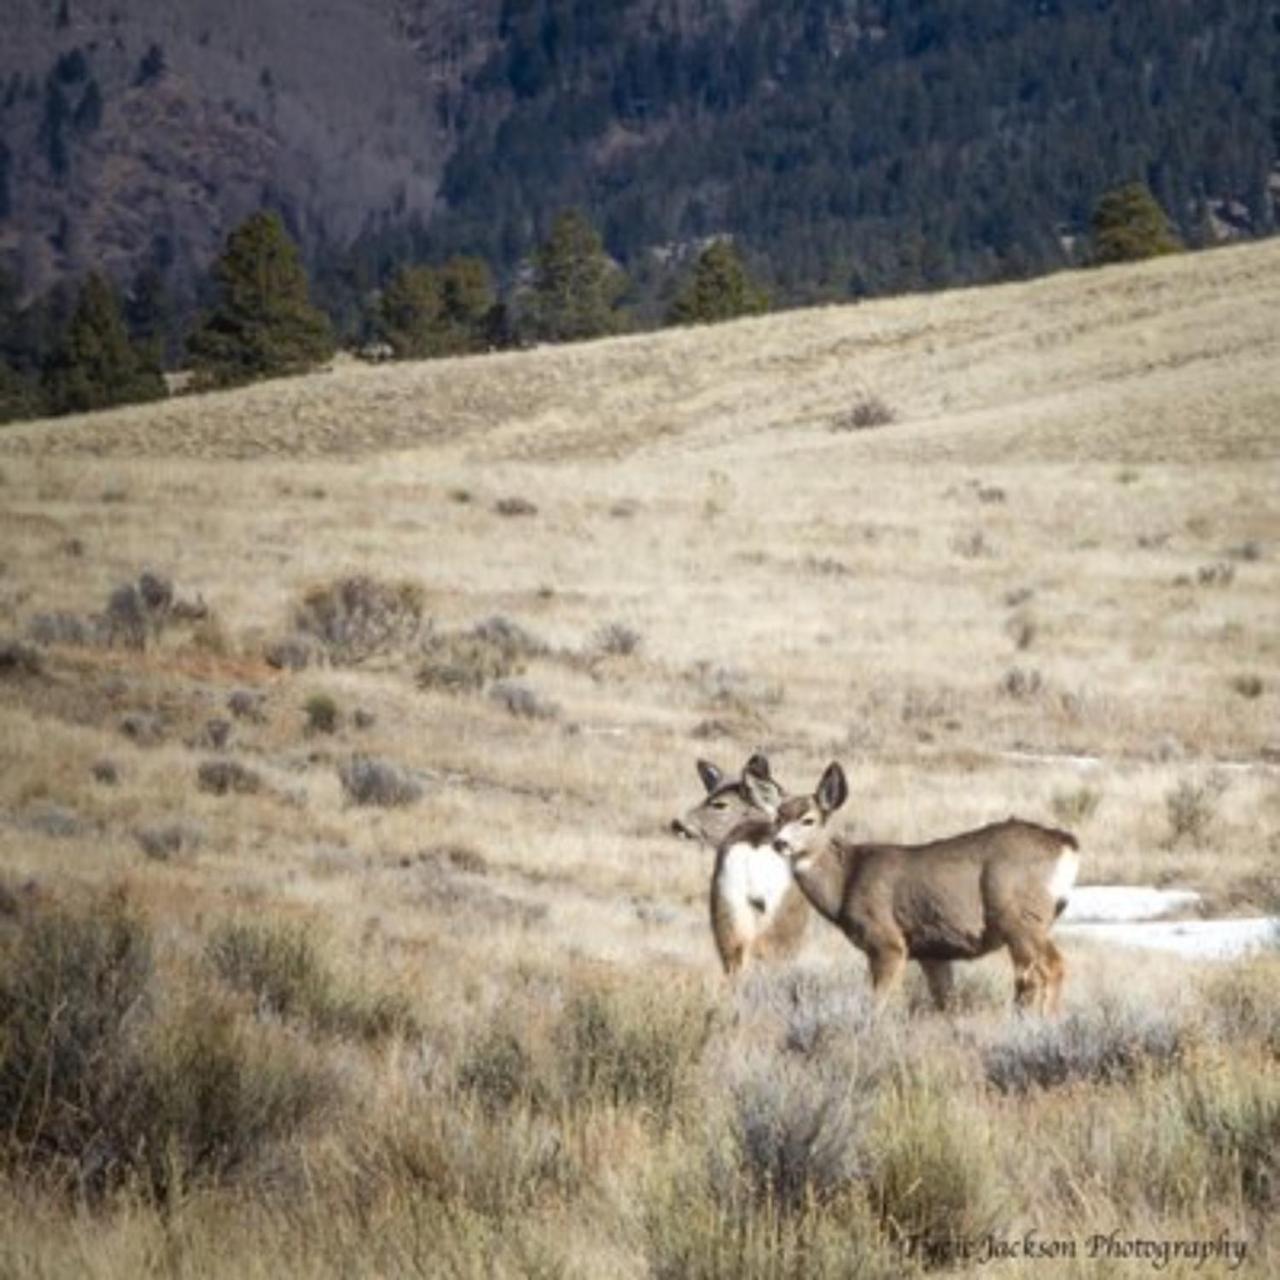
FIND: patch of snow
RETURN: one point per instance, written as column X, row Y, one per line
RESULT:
column 1193, row 939
column 1125, row 902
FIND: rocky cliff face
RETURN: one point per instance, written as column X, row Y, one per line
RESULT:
column 140, row 130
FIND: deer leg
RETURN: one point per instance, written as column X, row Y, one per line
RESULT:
column 1028, row 975
column 734, row 961
column 887, row 964
column 1054, row 968
column 941, row 979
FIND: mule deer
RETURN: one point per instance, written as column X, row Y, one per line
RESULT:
column 1002, row 885
column 757, row 912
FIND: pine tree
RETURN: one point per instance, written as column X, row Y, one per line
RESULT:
column 96, row 365
column 718, row 290
column 19, row 395
column 1129, row 225
column 437, row 312
column 467, row 300
column 264, row 324
column 575, row 286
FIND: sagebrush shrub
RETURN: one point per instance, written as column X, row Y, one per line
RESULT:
column 465, row 661
column 368, row 781
column 631, row 1048
column 356, row 618
column 71, row 982
column 799, row 1132
column 223, row 777
column 1106, row 1043
column 282, row 968
column 103, row 1082
column 322, row 714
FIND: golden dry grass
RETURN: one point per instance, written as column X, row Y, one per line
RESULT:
column 1053, row 575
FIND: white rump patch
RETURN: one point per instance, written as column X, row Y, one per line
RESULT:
column 1064, row 874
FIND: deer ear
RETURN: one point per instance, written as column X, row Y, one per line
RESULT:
column 710, row 775
column 759, row 765
column 761, row 791
column 833, row 789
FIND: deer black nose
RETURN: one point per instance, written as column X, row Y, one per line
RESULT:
column 780, row 846
column 679, row 829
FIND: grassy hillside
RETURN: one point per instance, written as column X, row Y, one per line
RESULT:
column 1046, row 587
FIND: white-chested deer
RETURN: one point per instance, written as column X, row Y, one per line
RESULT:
column 959, row 898
column 757, row 911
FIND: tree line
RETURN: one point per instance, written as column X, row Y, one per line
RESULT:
column 861, row 147
column 60, row 356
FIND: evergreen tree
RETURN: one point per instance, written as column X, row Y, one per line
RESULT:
column 467, row 302
column 426, row 311
column 575, row 286
column 264, row 324
column 150, row 315
column 718, row 290
column 1128, row 225
column 96, row 365
column 19, row 395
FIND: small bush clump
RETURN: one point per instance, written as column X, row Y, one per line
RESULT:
column 60, row 627
column 368, row 781
column 636, row 1049
column 1190, row 808
column 934, row 1177
column 356, row 618
column 800, row 1133
column 522, row 701
column 515, row 507
column 1247, row 686
column 145, row 728
column 136, row 613
column 465, row 661
column 616, row 639
column 105, row 772
column 868, row 410
column 18, row 659
column 169, row 840
column 293, row 653
column 103, row 1084
column 223, row 777
column 972, row 546
column 1104, row 1045
column 499, row 1071
column 281, row 967
column 70, row 981
column 1073, row 808
column 321, row 713
column 1021, row 684
column 246, row 704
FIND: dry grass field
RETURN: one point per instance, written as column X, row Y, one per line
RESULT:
column 340, row 929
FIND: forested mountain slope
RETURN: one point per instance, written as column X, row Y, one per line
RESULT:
column 850, row 145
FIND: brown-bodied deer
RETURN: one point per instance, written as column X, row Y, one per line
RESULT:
column 757, row 911
column 960, row 898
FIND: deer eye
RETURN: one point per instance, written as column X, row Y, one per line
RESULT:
column 809, row 821
column 719, row 804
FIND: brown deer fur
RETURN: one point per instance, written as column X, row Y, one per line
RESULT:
column 959, row 898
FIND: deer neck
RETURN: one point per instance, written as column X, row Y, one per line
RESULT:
column 821, row 876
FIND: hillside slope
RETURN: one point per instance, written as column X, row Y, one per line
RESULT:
column 1171, row 360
